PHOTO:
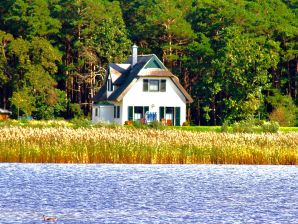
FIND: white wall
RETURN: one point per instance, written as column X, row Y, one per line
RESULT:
column 105, row 113
column 171, row 98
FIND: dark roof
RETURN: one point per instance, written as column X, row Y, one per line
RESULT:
column 101, row 95
column 130, row 75
column 141, row 59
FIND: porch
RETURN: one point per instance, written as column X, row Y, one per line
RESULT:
column 166, row 115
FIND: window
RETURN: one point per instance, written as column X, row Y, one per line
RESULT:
column 110, row 85
column 154, row 85
column 163, row 85
column 137, row 113
column 116, row 111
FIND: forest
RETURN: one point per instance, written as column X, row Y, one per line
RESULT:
column 236, row 58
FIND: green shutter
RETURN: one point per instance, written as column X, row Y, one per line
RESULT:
column 115, row 111
column 130, row 113
column 161, row 113
column 145, row 85
column 177, row 116
column 146, row 108
column 162, row 85
column 118, row 111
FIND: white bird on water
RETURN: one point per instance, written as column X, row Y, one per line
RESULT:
column 49, row 219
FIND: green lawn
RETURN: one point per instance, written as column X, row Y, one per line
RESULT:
column 198, row 128
column 86, row 123
column 218, row 128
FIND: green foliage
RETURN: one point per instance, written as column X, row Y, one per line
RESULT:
column 156, row 125
column 251, row 125
column 24, row 102
column 245, row 126
column 76, row 111
column 283, row 116
column 227, row 54
column 30, row 18
column 186, row 123
column 50, row 105
column 225, row 127
column 139, row 124
column 271, row 127
column 285, row 112
column 81, row 123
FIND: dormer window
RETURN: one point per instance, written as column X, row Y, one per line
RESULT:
column 154, row 85
column 110, row 85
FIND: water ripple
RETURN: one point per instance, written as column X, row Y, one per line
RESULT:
column 148, row 193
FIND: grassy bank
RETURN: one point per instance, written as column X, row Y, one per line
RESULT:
column 130, row 145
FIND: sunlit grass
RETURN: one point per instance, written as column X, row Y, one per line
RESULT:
column 130, row 145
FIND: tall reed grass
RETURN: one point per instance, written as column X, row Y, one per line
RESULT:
column 149, row 146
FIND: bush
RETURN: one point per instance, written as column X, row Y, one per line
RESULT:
column 252, row 125
column 130, row 123
column 245, row 126
column 156, row 125
column 283, row 116
column 225, row 127
column 139, row 124
column 79, row 123
column 185, row 123
column 271, row 127
column 76, row 110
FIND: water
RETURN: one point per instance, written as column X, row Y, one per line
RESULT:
column 148, row 193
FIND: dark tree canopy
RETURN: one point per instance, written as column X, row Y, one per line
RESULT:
column 237, row 59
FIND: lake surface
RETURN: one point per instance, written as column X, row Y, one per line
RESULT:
column 148, row 193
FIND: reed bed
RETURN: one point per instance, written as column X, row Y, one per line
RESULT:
column 148, row 146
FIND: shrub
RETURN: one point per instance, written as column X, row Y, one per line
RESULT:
column 156, row 125
column 112, row 124
column 130, row 123
column 78, row 123
column 271, row 127
column 225, row 127
column 283, row 116
column 185, row 123
column 244, row 126
column 76, row 110
column 139, row 124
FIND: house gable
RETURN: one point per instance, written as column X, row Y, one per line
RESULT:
column 137, row 96
column 147, row 65
column 154, row 62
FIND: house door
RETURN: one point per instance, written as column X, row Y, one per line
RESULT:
column 170, row 115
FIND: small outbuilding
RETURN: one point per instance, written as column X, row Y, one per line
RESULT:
column 4, row 114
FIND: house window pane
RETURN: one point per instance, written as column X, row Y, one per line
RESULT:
column 110, row 85
column 163, row 85
column 169, row 110
column 153, row 85
column 139, row 112
column 145, row 85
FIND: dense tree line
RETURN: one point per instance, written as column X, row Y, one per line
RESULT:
column 237, row 58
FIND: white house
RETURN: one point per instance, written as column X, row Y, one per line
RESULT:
column 140, row 89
